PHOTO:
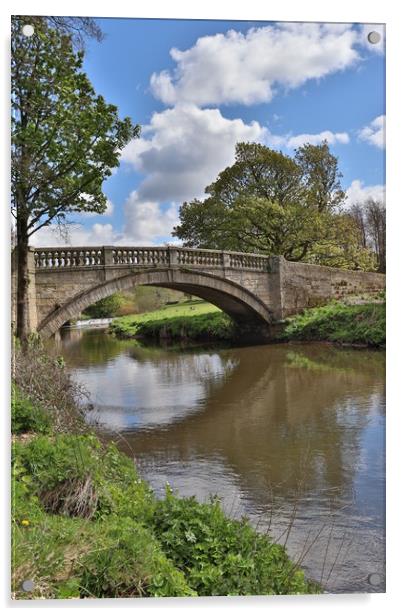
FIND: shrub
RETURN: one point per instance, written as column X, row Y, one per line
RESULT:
column 220, row 556
column 214, row 325
column 77, row 476
column 43, row 380
column 26, row 416
column 338, row 322
column 106, row 307
column 127, row 561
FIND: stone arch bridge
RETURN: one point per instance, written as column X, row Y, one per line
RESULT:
column 253, row 289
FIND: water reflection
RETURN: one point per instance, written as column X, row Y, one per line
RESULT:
column 284, row 432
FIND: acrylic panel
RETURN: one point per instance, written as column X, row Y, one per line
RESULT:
column 198, row 307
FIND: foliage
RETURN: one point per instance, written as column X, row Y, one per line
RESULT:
column 340, row 322
column 370, row 218
column 213, row 325
column 220, row 556
column 128, row 544
column 320, row 176
column 195, row 320
column 43, row 380
column 127, row 561
column 106, row 307
column 111, row 556
column 78, row 28
column 65, row 139
column 270, row 203
column 25, row 416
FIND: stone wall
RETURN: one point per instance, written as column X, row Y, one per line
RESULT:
column 304, row 286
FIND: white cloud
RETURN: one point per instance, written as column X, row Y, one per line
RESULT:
column 183, row 150
column 249, row 68
column 295, row 141
column 146, row 223
column 108, row 212
column 75, row 235
column 357, row 192
column 374, row 133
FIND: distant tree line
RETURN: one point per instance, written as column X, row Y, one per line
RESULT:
column 369, row 217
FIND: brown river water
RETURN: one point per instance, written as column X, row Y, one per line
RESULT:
column 290, row 435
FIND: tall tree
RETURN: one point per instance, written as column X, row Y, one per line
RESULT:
column 270, row 203
column 65, row 140
column 376, row 223
column 258, row 171
column 321, row 176
column 370, row 218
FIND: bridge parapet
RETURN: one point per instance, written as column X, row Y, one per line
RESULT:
column 168, row 256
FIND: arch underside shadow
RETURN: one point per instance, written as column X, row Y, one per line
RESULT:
column 236, row 301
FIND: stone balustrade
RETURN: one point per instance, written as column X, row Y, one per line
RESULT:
column 166, row 256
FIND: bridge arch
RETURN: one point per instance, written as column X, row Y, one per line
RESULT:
column 235, row 300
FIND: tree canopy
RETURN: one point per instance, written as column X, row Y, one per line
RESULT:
column 65, row 138
column 271, row 203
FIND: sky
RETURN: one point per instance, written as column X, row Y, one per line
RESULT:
column 198, row 87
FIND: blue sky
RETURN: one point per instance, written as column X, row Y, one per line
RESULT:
column 227, row 81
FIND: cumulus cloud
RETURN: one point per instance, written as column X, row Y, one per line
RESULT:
column 249, row 68
column 357, row 192
column 295, row 141
column 74, row 235
column 146, row 223
column 374, row 133
column 183, row 150
column 108, row 212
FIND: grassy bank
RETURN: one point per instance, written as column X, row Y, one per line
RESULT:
column 361, row 324
column 340, row 322
column 86, row 525
column 194, row 320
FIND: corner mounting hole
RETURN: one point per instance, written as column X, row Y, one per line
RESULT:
column 374, row 37
column 28, row 30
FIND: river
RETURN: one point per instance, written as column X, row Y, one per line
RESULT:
column 290, row 435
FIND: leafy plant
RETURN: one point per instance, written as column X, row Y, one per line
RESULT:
column 26, row 416
column 339, row 322
column 220, row 556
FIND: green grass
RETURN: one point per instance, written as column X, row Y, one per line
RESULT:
column 84, row 524
column 195, row 320
column 340, row 322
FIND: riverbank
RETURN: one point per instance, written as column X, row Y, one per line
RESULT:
column 338, row 322
column 191, row 320
column 86, row 525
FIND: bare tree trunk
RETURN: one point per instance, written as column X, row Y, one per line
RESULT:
column 22, row 284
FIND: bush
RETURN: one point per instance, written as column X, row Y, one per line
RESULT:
column 220, row 556
column 127, row 561
column 338, row 322
column 77, row 476
column 104, row 308
column 44, row 382
column 26, row 416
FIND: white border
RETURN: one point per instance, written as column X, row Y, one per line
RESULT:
column 382, row 11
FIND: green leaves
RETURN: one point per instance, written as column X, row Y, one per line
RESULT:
column 273, row 204
column 219, row 556
column 338, row 322
column 65, row 138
